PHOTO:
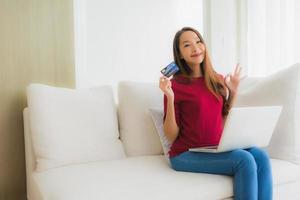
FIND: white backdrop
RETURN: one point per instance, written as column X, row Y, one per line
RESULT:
column 223, row 34
column 128, row 40
column 132, row 40
column 273, row 35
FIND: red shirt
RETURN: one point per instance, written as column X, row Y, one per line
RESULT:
column 198, row 114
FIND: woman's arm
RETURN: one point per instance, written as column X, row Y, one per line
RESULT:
column 228, row 105
column 171, row 128
column 232, row 82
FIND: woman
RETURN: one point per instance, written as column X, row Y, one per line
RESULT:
column 196, row 103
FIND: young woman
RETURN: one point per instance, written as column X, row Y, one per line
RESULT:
column 196, row 103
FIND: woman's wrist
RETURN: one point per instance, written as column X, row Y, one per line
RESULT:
column 170, row 97
column 231, row 98
column 232, row 93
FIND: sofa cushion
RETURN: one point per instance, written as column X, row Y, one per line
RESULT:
column 281, row 88
column 142, row 177
column 73, row 126
column 157, row 117
column 137, row 130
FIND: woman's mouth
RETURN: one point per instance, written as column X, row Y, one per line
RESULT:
column 196, row 55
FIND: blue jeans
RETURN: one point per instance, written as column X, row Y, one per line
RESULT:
column 250, row 169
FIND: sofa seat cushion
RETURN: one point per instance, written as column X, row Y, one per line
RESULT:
column 145, row 177
column 284, row 171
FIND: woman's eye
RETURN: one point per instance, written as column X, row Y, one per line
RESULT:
column 186, row 45
column 198, row 41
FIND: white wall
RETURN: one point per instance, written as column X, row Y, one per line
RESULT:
column 260, row 34
column 132, row 40
column 273, row 35
column 128, row 40
column 223, row 36
column 256, row 36
column 297, row 31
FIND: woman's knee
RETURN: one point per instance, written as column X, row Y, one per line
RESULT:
column 244, row 160
column 261, row 156
column 258, row 153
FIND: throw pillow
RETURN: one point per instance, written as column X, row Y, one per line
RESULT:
column 73, row 126
column 157, row 117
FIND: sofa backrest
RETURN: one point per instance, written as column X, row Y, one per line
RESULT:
column 29, row 153
column 280, row 88
column 137, row 129
column 139, row 135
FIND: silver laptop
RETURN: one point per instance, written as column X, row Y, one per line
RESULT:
column 246, row 127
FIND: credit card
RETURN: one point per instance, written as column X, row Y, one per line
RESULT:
column 170, row 69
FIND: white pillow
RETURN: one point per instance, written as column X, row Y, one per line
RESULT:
column 73, row 126
column 157, row 116
column 281, row 88
column 137, row 130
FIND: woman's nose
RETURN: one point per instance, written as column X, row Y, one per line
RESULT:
column 194, row 48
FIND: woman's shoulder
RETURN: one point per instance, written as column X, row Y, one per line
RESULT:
column 181, row 79
column 179, row 83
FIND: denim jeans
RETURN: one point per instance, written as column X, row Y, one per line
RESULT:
column 250, row 168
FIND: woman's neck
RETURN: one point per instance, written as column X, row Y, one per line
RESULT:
column 196, row 71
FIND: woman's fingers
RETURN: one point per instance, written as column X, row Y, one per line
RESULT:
column 236, row 68
column 237, row 71
column 161, row 79
column 164, row 79
column 227, row 79
column 164, row 82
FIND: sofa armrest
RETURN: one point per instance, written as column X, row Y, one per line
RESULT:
column 29, row 153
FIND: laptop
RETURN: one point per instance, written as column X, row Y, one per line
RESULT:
column 246, row 127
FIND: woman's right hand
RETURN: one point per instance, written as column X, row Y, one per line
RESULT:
column 166, row 86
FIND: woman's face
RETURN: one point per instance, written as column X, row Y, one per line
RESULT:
column 192, row 50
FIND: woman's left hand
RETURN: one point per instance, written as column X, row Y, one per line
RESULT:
column 232, row 80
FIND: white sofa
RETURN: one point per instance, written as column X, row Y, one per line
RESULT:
column 63, row 162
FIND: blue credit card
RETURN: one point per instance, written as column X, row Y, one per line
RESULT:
column 170, row 69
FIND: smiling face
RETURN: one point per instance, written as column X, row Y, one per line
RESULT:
column 192, row 57
column 192, row 50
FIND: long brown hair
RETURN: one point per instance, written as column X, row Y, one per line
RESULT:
column 213, row 81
